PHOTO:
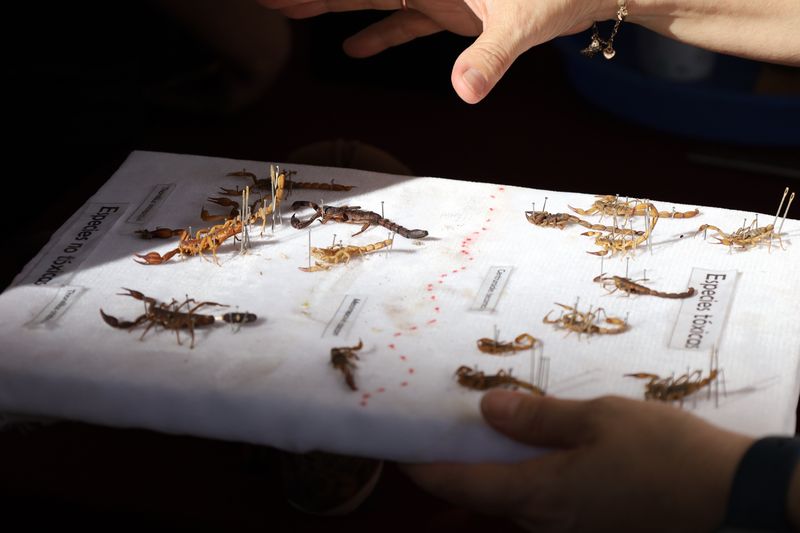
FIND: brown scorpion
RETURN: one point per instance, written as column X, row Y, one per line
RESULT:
column 284, row 179
column 525, row 341
column 615, row 283
column 342, row 360
column 561, row 220
column 352, row 215
column 174, row 315
column 477, row 380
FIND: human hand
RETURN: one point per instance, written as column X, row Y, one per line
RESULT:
column 618, row 465
column 505, row 29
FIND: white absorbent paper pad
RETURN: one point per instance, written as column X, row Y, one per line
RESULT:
column 419, row 309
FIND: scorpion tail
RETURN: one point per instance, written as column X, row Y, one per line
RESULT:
column 239, row 318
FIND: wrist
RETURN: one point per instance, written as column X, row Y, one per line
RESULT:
column 762, row 495
column 793, row 500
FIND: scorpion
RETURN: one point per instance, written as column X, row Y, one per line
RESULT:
column 352, row 215
column 524, row 341
column 745, row 237
column 477, row 380
column 174, row 315
column 611, row 205
column 204, row 240
column 561, row 220
column 616, row 241
column 631, row 287
column 285, row 176
column 342, row 360
column 584, row 322
column 341, row 254
column 671, row 388
column 260, row 209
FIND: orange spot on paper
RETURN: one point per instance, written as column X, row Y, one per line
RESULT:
column 432, row 321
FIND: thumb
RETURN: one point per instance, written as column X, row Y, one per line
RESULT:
column 535, row 420
column 478, row 69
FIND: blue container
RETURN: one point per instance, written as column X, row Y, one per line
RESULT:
column 718, row 105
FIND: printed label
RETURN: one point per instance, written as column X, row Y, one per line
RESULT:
column 53, row 311
column 342, row 321
column 702, row 317
column 492, row 288
column 62, row 260
column 151, row 204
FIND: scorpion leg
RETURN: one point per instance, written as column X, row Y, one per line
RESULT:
column 362, row 230
column 150, row 325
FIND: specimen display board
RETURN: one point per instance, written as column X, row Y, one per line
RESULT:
column 419, row 306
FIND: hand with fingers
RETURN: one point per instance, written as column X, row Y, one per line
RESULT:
column 616, row 465
column 507, row 28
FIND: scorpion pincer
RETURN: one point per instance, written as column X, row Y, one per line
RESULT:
column 352, row 215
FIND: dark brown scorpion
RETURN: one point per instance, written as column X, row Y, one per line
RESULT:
column 352, row 215
column 174, row 315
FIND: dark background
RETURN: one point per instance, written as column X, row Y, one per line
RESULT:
column 88, row 83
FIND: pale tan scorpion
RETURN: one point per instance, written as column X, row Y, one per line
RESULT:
column 745, row 237
column 341, row 254
column 585, row 322
column 611, row 205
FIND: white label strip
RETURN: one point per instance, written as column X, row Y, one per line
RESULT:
column 345, row 316
column 62, row 260
column 150, row 205
column 702, row 317
column 492, row 288
column 64, row 298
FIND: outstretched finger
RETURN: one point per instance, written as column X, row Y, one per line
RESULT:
column 538, row 421
column 396, row 29
column 299, row 9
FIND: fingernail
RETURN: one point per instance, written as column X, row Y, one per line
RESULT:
column 475, row 80
column 500, row 405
